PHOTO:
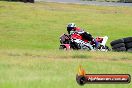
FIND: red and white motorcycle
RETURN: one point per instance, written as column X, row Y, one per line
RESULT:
column 76, row 42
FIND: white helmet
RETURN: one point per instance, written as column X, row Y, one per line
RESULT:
column 70, row 27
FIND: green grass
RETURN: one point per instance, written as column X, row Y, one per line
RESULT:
column 104, row 0
column 39, row 25
column 29, row 41
column 33, row 68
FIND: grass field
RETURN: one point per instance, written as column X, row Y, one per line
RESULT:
column 29, row 40
column 104, row 0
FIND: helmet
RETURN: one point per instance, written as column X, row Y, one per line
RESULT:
column 70, row 27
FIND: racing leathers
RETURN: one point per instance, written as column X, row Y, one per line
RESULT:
column 85, row 36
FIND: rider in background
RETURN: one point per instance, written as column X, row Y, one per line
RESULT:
column 72, row 28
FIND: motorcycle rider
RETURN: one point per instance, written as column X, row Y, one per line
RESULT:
column 72, row 28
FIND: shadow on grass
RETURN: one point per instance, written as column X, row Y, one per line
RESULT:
column 25, row 1
column 12, row 0
column 80, row 56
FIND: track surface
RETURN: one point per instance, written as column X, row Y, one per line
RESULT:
column 89, row 2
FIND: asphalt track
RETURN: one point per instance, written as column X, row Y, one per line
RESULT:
column 89, row 2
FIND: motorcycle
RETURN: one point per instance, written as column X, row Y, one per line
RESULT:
column 76, row 42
